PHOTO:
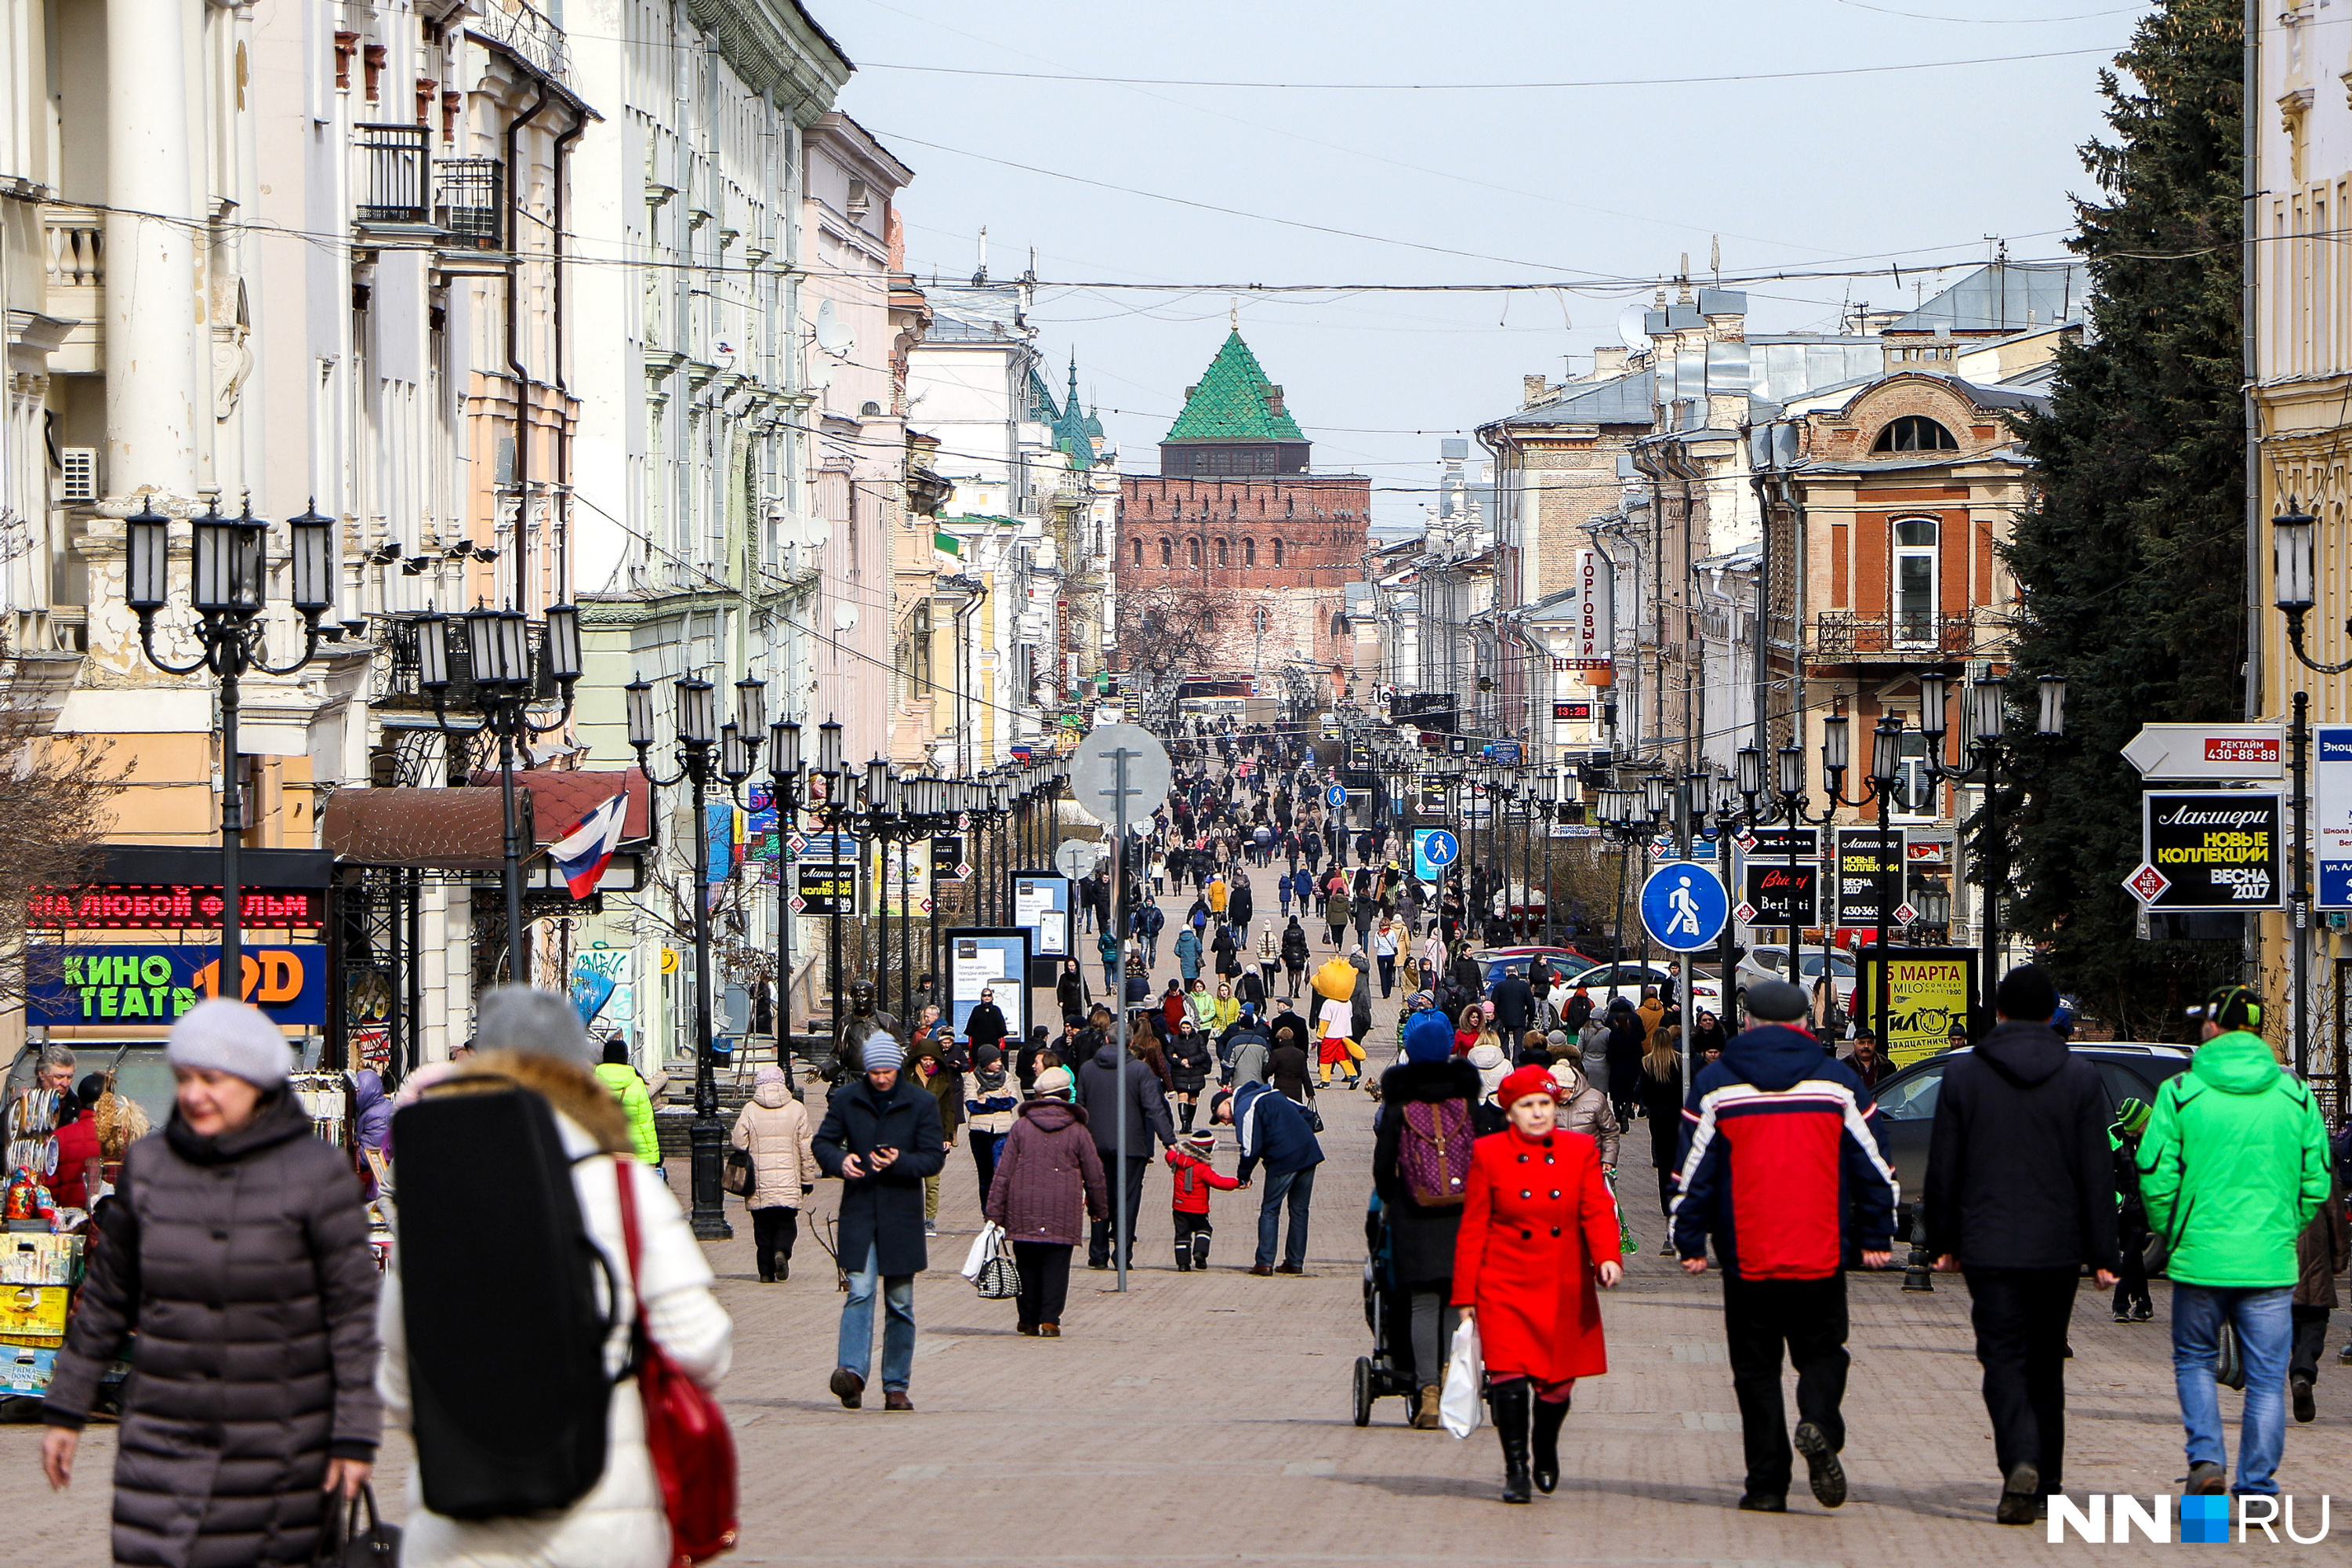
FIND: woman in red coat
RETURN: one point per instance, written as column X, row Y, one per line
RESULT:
column 1539, row 1229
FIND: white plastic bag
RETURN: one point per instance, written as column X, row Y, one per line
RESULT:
column 1458, row 1407
column 985, row 1246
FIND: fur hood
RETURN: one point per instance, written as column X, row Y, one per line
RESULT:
column 574, row 1091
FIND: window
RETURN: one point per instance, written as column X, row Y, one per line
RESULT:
column 1916, row 795
column 1138, row 552
column 1249, row 551
column 1915, row 432
column 1277, row 552
column 1914, row 1099
column 1193, row 547
column 1167, row 552
column 1221, row 553
column 1915, row 579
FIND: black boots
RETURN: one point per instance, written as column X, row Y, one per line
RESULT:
column 1183, row 1255
column 1511, row 1402
column 1548, row 1419
column 1190, row 1109
column 1200, row 1247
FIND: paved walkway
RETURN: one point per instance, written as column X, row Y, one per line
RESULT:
column 1207, row 1418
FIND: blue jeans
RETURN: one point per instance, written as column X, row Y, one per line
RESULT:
column 856, row 1352
column 1298, row 1188
column 2264, row 1327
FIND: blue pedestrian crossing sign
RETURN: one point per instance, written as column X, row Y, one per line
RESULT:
column 1684, row 906
column 1435, row 848
column 1336, row 795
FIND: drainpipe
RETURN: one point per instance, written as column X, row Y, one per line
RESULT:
column 562, row 591
column 964, row 612
column 514, row 334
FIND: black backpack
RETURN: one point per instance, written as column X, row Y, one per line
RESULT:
column 506, row 1320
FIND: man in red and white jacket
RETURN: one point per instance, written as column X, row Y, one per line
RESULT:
column 1784, row 1169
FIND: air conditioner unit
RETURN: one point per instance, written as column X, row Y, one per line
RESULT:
column 80, row 485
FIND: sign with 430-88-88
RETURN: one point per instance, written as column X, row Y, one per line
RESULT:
column 2216, row 849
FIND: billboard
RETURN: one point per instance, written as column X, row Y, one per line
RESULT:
column 2215, row 849
column 139, row 983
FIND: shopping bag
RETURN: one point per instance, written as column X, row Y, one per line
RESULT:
column 1628, row 1244
column 984, row 1246
column 1458, row 1407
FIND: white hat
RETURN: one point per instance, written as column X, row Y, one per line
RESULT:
column 222, row 1036
column 1492, row 1065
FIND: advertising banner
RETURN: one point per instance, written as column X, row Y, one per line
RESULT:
column 991, row 959
column 827, row 887
column 1042, row 905
column 2214, row 849
column 1862, row 853
column 1928, row 993
column 1781, row 894
column 2331, row 814
column 145, row 985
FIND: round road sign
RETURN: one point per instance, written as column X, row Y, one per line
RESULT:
column 1440, row 847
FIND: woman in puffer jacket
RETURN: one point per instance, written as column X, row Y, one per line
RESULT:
column 1584, row 1106
column 773, row 1128
column 533, row 1038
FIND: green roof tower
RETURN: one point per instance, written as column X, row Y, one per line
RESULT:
column 1233, row 424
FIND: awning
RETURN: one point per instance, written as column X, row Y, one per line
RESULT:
column 420, row 830
column 562, row 799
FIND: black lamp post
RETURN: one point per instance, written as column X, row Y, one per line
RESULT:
column 228, row 590
column 785, row 782
column 1986, row 700
column 2294, row 567
column 1885, row 778
column 832, row 813
column 1790, row 805
column 497, row 643
column 696, row 735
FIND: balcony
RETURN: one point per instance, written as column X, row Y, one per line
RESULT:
column 394, row 173
column 522, row 32
column 75, row 240
column 467, row 199
column 1841, row 636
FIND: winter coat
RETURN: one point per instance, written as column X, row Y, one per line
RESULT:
column 1662, row 1104
column 1537, row 1221
column 944, row 1085
column 774, row 1128
column 2321, row 1253
column 1070, row 995
column 1225, row 1012
column 1293, row 947
column 988, row 1107
column 1048, row 1176
column 243, row 1263
column 1335, row 913
column 371, row 1111
column 1241, row 904
column 1627, row 1041
column 1583, row 1107
column 638, row 1105
column 1194, row 1178
column 984, row 1024
column 1577, row 1012
column 882, row 1210
column 1784, row 1162
column 1188, row 954
column 2233, row 1165
column 2019, row 1174
column 1420, row 1240
column 620, row 1523
column 1189, row 1059
column 1286, row 1070
column 1106, row 1091
column 1511, row 1005
column 1273, row 1131
column 1246, row 1057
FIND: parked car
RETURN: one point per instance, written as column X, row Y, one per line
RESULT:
column 1628, row 978
column 1772, row 963
column 1907, row 1102
column 1502, row 960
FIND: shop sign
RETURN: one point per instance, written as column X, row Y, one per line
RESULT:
column 142, row 984
column 827, row 887
column 1782, row 895
column 124, row 906
column 2217, row 850
column 1864, row 853
column 1929, row 990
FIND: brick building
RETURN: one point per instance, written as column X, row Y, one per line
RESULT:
column 1234, row 559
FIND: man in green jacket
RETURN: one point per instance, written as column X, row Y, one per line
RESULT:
column 637, row 1102
column 2232, row 1166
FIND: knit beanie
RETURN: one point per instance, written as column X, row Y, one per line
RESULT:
column 2132, row 1117
column 769, row 1073
column 520, row 1018
column 881, row 1054
column 222, row 1036
column 1492, row 1066
column 1202, row 1142
column 1428, row 1038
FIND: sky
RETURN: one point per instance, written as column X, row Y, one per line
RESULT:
column 1593, row 193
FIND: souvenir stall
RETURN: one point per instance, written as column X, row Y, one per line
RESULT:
column 45, row 1245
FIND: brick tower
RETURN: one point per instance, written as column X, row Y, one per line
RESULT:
column 1234, row 558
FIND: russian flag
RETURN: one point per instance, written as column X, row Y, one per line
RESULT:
column 583, row 853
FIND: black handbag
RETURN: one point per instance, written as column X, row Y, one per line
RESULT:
column 343, row 1543
column 740, row 1176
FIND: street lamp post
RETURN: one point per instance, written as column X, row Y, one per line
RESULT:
column 229, row 591
column 498, row 662
column 2294, row 544
column 1885, row 776
column 696, row 735
column 837, row 785
column 785, row 782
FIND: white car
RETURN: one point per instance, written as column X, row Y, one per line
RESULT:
column 1772, row 963
column 1628, row 980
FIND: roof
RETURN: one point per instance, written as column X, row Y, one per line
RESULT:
column 1071, row 432
column 2005, row 297
column 1621, row 400
column 1234, row 402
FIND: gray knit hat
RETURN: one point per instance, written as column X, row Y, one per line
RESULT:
column 519, row 1019
column 881, row 1054
column 222, row 1036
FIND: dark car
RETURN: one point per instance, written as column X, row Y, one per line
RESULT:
column 1907, row 1102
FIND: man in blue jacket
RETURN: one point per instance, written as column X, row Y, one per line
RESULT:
column 1784, row 1169
column 1274, row 1131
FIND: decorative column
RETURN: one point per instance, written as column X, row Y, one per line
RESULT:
column 155, row 300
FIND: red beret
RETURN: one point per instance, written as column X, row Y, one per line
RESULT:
column 1524, row 1082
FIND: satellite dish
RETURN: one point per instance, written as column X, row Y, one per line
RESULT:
column 845, row 616
column 1633, row 327
column 833, row 335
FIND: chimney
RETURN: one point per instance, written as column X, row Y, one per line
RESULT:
column 1533, row 389
column 1608, row 361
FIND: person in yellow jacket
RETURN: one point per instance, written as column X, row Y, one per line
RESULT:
column 637, row 1102
column 1218, row 895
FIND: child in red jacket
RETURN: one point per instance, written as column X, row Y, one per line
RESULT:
column 1188, row 1159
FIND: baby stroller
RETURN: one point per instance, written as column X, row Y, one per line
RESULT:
column 1389, row 1369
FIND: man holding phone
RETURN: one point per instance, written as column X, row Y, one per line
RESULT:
column 882, row 1136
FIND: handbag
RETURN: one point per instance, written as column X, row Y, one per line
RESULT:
column 1457, row 1405
column 344, row 1545
column 990, row 1267
column 686, row 1431
column 2228, row 1366
column 740, row 1176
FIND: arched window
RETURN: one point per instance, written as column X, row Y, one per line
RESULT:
column 1221, row 553
column 1915, row 432
column 1138, row 552
column 1249, row 552
column 1193, row 547
column 1277, row 552
column 1167, row 552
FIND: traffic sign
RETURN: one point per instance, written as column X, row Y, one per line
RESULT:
column 964, row 868
column 1684, row 906
column 1439, row 847
column 1336, row 795
column 1906, row 915
column 1746, row 914
column 799, row 904
column 1095, row 771
column 1078, row 859
column 2147, row 884
column 796, row 843
column 2169, row 751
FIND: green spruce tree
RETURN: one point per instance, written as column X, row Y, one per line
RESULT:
column 2131, row 560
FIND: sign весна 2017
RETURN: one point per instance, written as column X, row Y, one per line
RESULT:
column 2218, row 850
